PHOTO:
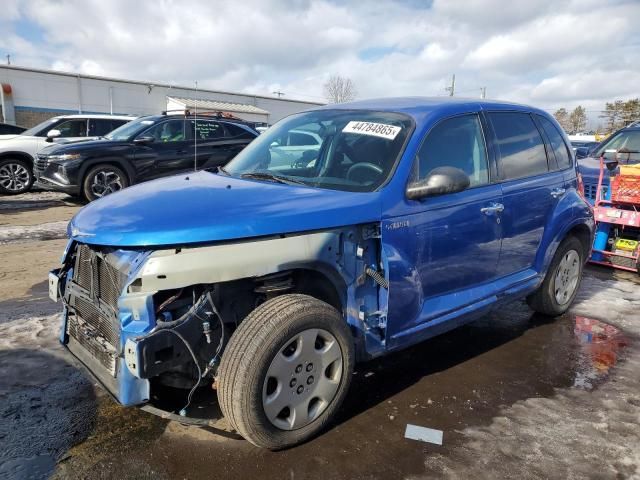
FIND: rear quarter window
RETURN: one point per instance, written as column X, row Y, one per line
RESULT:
column 519, row 144
column 559, row 148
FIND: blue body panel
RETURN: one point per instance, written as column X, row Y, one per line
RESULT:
column 446, row 263
column 207, row 207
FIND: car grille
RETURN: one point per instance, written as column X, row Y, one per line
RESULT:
column 590, row 190
column 96, row 329
column 41, row 163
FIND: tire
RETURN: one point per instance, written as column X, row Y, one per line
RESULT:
column 102, row 180
column 16, row 176
column 562, row 281
column 275, row 392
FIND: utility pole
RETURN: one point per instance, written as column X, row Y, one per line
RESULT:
column 452, row 88
column 483, row 92
column 278, row 93
column 8, row 59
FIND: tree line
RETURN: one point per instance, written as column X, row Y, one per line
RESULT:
column 616, row 115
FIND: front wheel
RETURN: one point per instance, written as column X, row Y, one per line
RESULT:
column 16, row 176
column 285, row 371
column 561, row 284
column 102, row 180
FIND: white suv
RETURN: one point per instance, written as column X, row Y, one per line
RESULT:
column 18, row 152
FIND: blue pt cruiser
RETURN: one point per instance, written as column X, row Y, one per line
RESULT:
column 269, row 281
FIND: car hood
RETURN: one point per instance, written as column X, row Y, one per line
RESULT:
column 8, row 136
column 589, row 168
column 61, row 146
column 206, row 207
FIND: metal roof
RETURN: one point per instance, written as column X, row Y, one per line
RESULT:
column 193, row 103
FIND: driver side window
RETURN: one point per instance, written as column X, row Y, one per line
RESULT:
column 456, row 142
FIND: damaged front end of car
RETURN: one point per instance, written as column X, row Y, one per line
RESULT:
column 143, row 319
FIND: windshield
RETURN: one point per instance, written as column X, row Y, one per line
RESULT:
column 624, row 141
column 347, row 150
column 126, row 131
column 40, row 128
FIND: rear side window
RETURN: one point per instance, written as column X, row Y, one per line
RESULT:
column 456, row 142
column 520, row 145
column 100, row 126
column 206, row 130
column 560, row 150
column 238, row 133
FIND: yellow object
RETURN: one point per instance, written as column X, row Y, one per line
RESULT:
column 630, row 170
column 626, row 245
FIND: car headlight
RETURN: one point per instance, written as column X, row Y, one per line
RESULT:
column 64, row 157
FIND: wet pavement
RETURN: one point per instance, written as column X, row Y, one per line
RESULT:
column 515, row 394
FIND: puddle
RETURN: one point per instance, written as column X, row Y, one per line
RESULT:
column 39, row 466
column 600, row 346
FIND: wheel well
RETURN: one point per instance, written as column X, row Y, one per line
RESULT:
column 17, row 156
column 582, row 233
column 316, row 284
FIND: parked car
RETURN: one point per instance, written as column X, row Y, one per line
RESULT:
column 583, row 149
column 18, row 151
column 417, row 216
column 7, row 129
column 147, row 148
column 622, row 146
column 288, row 149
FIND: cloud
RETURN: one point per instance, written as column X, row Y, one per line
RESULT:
column 550, row 54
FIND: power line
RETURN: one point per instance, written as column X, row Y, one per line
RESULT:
column 278, row 93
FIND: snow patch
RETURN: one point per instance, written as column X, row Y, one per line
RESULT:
column 21, row 233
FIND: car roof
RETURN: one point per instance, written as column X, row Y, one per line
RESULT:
column 104, row 116
column 420, row 107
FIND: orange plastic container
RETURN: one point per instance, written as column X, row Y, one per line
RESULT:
column 625, row 189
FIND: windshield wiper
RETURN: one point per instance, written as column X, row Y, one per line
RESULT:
column 271, row 176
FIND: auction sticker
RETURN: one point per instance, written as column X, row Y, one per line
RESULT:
column 374, row 129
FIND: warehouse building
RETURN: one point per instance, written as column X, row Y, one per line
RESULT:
column 29, row 96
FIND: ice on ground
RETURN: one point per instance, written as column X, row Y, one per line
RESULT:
column 575, row 433
column 21, row 233
column 33, row 200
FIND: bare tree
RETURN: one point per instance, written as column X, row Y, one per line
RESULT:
column 578, row 119
column 562, row 116
column 339, row 89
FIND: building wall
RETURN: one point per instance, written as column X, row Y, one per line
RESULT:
column 41, row 94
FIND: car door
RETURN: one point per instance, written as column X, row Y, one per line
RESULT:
column 443, row 250
column 165, row 149
column 530, row 190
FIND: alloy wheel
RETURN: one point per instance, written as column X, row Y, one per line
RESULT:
column 105, row 182
column 14, row 177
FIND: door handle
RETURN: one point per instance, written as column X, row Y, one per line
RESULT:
column 557, row 192
column 493, row 208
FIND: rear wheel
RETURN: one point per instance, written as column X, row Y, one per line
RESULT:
column 561, row 284
column 102, row 180
column 16, row 176
column 285, row 371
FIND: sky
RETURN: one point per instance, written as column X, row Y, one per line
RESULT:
column 550, row 54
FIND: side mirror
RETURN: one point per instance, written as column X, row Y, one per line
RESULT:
column 582, row 152
column 144, row 140
column 441, row 180
column 51, row 134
